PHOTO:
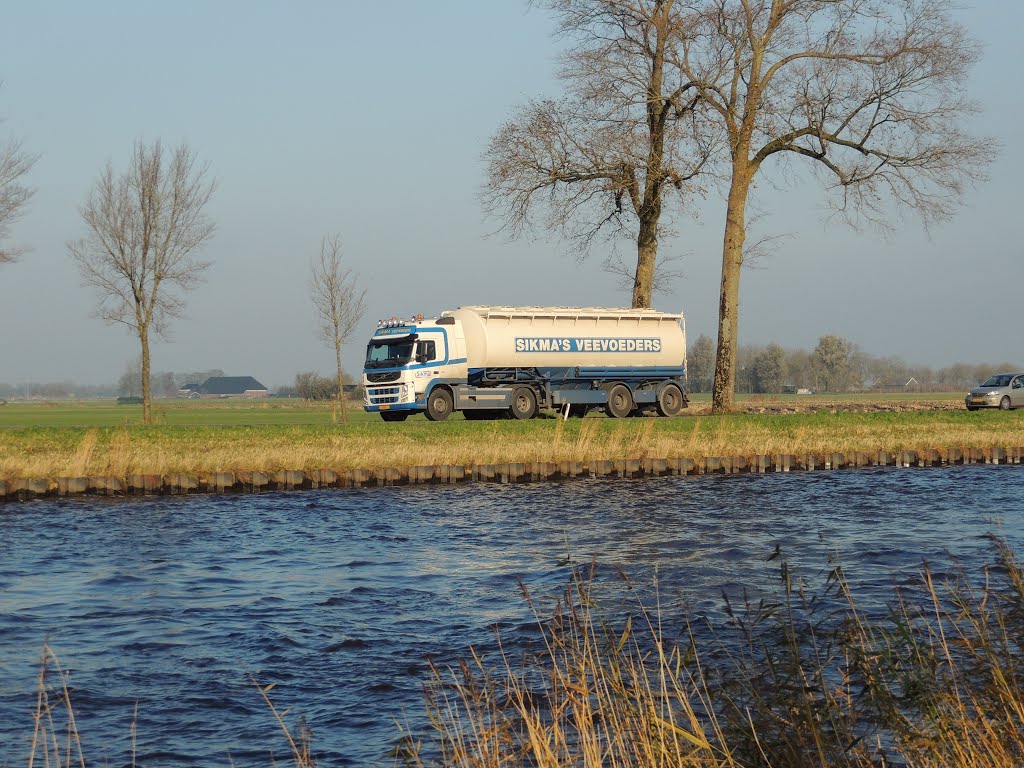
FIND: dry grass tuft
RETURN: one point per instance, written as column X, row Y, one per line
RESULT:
column 594, row 696
column 82, row 459
column 55, row 744
column 300, row 740
column 804, row 679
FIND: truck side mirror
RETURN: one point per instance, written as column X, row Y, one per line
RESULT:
column 422, row 357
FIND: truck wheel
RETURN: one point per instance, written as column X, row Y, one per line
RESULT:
column 394, row 415
column 439, row 404
column 670, row 400
column 620, row 401
column 524, row 403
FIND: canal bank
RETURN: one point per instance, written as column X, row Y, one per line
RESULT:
column 26, row 489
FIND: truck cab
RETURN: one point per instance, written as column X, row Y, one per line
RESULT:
column 405, row 359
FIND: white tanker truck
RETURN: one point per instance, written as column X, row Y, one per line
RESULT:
column 489, row 362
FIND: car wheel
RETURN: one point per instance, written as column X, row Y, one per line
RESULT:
column 1004, row 404
column 972, row 407
column 439, row 404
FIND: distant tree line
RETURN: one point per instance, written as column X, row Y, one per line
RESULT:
column 835, row 364
column 55, row 390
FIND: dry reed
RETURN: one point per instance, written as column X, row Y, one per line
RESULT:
column 805, row 680
column 55, row 738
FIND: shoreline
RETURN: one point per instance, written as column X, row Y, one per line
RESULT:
column 181, row 484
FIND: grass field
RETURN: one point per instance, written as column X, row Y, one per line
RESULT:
column 271, row 412
column 101, row 438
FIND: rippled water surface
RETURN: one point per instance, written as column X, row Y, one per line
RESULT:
column 341, row 596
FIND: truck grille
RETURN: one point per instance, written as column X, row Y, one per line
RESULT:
column 380, row 378
column 383, row 395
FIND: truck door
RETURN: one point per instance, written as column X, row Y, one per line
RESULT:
column 426, row 351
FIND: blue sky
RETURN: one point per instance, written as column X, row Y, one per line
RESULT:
column 369, row 120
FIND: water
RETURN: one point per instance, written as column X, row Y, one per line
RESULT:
column 341, row 596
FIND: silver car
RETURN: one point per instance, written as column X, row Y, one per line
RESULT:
column 1002, row 390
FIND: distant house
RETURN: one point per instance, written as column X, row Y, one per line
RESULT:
column 190, row 390
column 225, row 386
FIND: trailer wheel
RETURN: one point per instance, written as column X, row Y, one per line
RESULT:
column 670, row 400
column 394, row 415
column 439, row 404
column 620, row 401
column 524, row 403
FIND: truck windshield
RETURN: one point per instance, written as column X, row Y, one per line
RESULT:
column 386, row 355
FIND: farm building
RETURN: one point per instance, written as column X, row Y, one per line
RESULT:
column 225, row 386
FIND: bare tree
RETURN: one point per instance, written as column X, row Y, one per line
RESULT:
column 144, row 228
column 603, row 158
column 700, row 369
column 870, row 92
column 14, row 195
column 339, row 302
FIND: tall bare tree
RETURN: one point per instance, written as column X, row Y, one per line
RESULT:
column 339, row 302
column 871, row 93
column 144, row 228
column 604, row 158
column 15, row 163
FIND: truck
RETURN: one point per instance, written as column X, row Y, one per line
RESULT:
column 499, row 362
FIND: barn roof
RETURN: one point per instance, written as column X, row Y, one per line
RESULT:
column 230, row 385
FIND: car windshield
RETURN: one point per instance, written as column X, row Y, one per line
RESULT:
column 379, row 355
column 998, row 381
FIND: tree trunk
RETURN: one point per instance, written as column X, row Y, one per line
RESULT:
column 724, row 398
column 649, row 211
column 147, row 395
column 341, row 390
column 646, row 254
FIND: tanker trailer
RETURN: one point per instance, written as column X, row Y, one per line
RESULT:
column 491, row 362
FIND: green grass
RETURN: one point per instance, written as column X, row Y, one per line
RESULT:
column 269, row 412
column 106, row 413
